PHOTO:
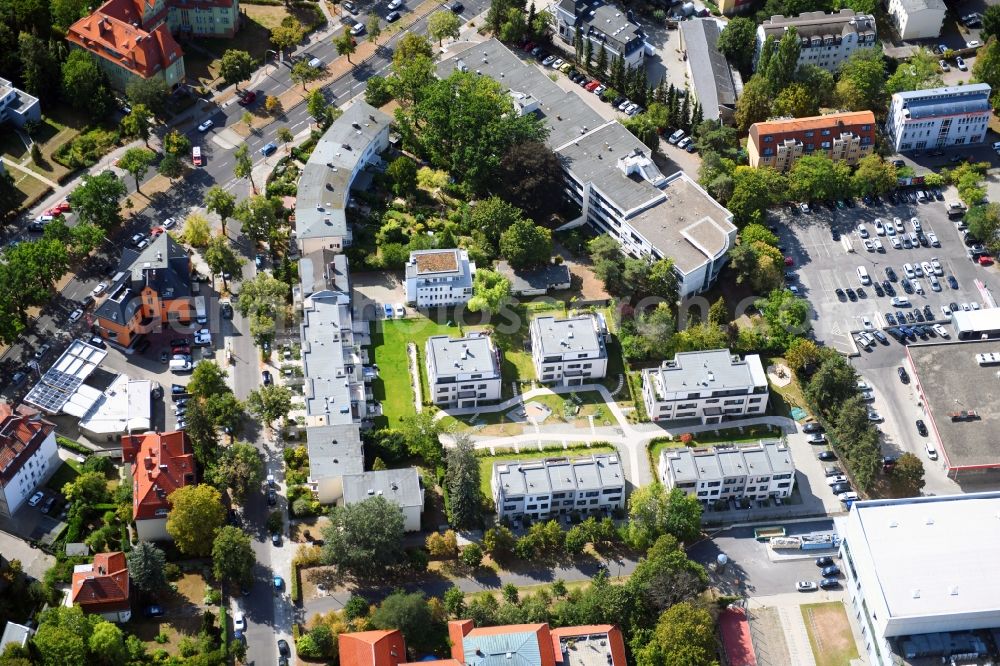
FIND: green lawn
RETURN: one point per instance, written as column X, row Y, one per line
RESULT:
column 389, row 339
column 830, row 635
column 66, row 473
column 486, row 461
column 564, row 409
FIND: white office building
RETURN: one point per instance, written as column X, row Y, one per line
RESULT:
column 462, row 372
column 939, row 117
column 708, row 386
column 827, row 40
column 337, row 164
column 548, row 488
column 922, row 574
column 439, row 278
column 755, row 472
column 610, row 175
column 917, row 19
column 28, row 455
column 569, row 351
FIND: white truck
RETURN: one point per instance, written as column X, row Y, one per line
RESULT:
column 200, row 310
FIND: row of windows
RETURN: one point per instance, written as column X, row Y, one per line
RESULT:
column 464, row 387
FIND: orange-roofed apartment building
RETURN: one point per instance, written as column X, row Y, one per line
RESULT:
column 506, row 645
column 161, row 463
column 840, row 136
column 102, row 587
column 135, row 38
column 28, row 455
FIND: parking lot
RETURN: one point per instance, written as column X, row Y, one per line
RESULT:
column 822, row 265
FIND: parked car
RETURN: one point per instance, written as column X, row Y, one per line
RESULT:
column 960, row 62
column 824, row 561
column 247, row 98
column 268, row 149
column 267, row 378
column 829, row 583
column 205, row 126
column 827, row 456
column 805, row 586
column 35, row 499
column 812, row 427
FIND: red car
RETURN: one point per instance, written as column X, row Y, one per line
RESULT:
column 789, row 261
column 985, row 260
column 63, row 207
column 249, row 97
column 156, row 231
column 181, row 350
column 590, row 86
column 528, row 47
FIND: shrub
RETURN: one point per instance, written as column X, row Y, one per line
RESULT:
column 161, row 638
column 86, row 149
column 275, row 521
column 472, row 555
column 172, row 572
column 301, row 507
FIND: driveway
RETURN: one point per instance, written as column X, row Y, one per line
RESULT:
column 34, row 561
column 369, row 291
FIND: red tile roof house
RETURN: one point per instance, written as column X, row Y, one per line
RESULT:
column 507, row 645
column 28, row 455
column 161, row 463
column 102, row 588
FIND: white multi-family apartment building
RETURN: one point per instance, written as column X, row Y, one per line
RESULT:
column 917, row 19
column 462, row 372
column 755, row 472
column 28, row 455
column 439, row 278
column 548, row 488
column 602, row 25
column 351, row 144
column 939, row 117
column 827, row 40
column 17, row 106
column 710, row 386
column 569, row 351
column 610, row 176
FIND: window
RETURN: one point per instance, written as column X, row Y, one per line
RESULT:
column 768, row 139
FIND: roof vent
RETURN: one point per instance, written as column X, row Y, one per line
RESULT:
column 929, row 521
column 953, row 590
column 916, row 593
column 893, row 523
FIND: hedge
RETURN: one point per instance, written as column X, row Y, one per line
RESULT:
column 296, row 588
column 72, row 445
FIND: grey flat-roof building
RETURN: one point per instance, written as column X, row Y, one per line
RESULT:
column 708, row 386
column 716, row 84
column 17, row 106
column 535, row 281
column 462, row 372
column 610, row 174
column 401, row 486
column 569, row 350
column 335, row 451
column 351, row 143
column 753, row 472
column 546, row 488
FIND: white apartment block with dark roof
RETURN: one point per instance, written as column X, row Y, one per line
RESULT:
column 462, row 372
column 603, row 25
column 610, row 175
column 569, row 351
column 28, row 455
column 917, row 19
column 710, row 386
column 548, row 488
column 755, row 472
column 939, row 117
column 827, row 40
column 439, row 278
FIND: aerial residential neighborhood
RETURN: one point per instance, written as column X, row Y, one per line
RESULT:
column 482, row 332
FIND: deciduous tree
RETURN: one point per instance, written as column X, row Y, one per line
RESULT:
column 240, row 469
column 197, row 231
column 443, row 24
column 302, row 72
column 873, row 176
column 655, row 511
column 402, row 171
column 270, row 402
column 288, row 34
column 259, row 215
column 236, row 67
column 220, row 202
column 151, row 93
column 908, row 475
column 528, row 174
column 233, row 558
column 365, row 538
column 83, row 84
column 684, row 636
column 137, row 161
column 138, row 123
column 738, row 42
column 526, row 245
column 490, row 291
column 221, row 258
column 107, row 644
column 196, row 514
column 345, row 45
column 97, row 200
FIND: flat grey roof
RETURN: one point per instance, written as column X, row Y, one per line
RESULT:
column 323, row 189
column 593, row 157
column 334, row 451
column 324, row 269
column 952, row 380
column 542, row 476
column 689, row 226
column 819, row 24
column 562, row 111
column 714, row 369
column 569, row 335
column 327, row 385
column 765, row 457
column 711, row 75
column 546, row 277
column 472, row 354
column 921, row 5
column 401, row 486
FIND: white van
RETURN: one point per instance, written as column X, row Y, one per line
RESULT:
column 863, row 275
column 180, row 365
column 900, row 302
column 931, row 451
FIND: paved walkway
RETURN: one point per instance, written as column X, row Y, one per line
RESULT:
column 11, row 163
column 634, row 438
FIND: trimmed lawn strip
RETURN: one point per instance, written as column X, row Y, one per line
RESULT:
column 830, row 635
column 486, row 461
